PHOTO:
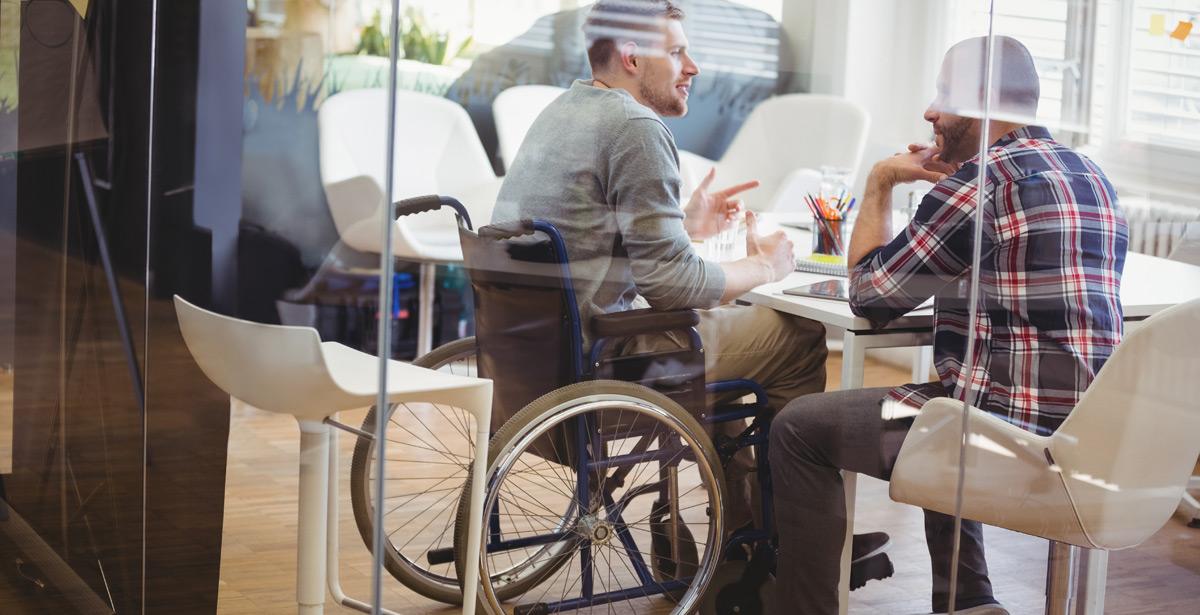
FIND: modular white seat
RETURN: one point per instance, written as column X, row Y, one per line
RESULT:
column 1188, row 251
column 437, row 151
column 289, row 370
column 1108, row 478
column 514, row 110
column 783, row 135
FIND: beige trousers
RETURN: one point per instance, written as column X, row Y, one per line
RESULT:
column 783, row 353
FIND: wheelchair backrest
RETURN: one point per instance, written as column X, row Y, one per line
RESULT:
column 526, row 322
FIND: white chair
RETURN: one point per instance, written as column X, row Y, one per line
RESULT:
column 437, row 152
column 785, row 134
column 514, row 110
column 1107, row 479
column 289, row 370
column 1187, row 250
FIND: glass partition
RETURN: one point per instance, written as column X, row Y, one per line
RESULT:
column 754, row 282
column 1098, row 223
column 110, row 440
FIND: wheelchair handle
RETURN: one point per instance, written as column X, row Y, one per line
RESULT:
column 432, row 202
column 507, row 230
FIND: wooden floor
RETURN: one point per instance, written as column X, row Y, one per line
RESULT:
column 6, row 420
column 258, row 558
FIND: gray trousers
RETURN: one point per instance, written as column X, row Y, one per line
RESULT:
column 813, row 438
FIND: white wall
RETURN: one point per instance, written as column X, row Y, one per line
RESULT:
column 882, row 54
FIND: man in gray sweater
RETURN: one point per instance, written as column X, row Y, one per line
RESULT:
column 600, row 165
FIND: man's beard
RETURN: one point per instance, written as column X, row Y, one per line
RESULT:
column 957, row 144
column 664, row 104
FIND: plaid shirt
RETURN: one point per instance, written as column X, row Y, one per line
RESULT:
column 1054, row 242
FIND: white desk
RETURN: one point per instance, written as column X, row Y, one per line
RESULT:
column 1149, row 284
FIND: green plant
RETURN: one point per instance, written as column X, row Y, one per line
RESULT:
column 424, row 44
column 372, row 41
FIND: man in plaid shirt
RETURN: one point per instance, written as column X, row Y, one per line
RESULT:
column 1052, row 250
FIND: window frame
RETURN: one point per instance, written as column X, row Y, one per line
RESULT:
column 1139, row 164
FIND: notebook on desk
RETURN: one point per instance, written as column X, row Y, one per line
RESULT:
column 824, row 265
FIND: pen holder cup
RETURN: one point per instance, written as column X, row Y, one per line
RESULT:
column 828, row 237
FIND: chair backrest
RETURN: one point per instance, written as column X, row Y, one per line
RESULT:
column 1128, row 448
column 273, row 367
column 437, row 151
column 515, row 109
column 526, row 322
column 790, row 132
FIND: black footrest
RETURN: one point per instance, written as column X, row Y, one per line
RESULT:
column 440, row 556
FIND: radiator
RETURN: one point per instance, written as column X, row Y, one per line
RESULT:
column 1155, row 227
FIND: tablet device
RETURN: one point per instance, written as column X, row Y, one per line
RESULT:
column 827, row 289
column 834, row 289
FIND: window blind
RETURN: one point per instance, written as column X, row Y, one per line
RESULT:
column 1163, row 104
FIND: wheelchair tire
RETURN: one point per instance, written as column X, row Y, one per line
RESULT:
column 406, row 552
column 522, row 434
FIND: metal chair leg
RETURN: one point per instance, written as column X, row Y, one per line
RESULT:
column 1189, row 507
column 1061, row 568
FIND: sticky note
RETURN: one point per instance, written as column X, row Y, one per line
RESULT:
column 80, row 6
column 1158, row 25
column 1182, row 30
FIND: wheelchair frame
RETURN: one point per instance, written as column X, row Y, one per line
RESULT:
column 586, row 437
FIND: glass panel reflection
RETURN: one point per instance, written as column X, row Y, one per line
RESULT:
column 1104, row 364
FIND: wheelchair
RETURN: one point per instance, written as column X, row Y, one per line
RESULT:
column 605, row 486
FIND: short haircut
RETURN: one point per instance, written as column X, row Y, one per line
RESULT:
column 610, row 21
column 1016, row 86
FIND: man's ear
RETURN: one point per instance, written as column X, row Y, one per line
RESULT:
column 629, row 56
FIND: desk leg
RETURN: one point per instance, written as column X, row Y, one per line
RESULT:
column 922, row 360
column 853, row 357
column 425, row 315
column 850, row 483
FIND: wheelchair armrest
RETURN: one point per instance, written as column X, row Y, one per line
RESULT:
column 637, row 322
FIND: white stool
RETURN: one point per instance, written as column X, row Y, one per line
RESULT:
column 290, row 371
column 1108, row 478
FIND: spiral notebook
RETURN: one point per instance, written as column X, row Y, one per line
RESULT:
column 822, row 264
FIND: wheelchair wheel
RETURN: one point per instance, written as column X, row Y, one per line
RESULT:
column 429, row 452
column 641, row 447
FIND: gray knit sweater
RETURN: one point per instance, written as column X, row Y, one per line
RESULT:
column 604, row 169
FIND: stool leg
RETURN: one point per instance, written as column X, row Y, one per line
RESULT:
column 1061, row 566
column 311, row 517
column 475, row 524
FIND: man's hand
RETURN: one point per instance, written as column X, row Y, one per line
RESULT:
column 707, row 214
column 775, row 251
column 920, row 163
